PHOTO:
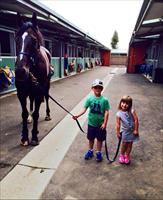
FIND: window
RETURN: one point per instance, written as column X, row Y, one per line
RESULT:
column 7, row 43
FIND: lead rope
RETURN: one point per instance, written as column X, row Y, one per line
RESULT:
column 36, row 83
column 107, row 154
column 67, row 112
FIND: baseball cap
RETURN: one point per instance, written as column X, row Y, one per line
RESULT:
column 97, row 82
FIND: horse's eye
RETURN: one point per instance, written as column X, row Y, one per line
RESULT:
column 34, row 40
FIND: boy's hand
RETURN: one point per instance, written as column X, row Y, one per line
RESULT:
column 118, row 135
column 136, row 132
column 79, row 114
column 103, row 126
column 74, row 117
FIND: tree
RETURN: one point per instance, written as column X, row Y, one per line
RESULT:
column 114, row 40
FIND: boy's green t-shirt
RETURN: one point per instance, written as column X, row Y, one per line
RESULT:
column 97, row 107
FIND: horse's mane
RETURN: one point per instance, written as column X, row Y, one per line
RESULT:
column 36, row 31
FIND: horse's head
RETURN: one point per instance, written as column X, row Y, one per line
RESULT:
column 28, row 41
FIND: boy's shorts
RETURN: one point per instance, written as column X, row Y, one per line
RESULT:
column 96, row 132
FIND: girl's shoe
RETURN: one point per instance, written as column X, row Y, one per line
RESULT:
column 121, row 159
column 127, row 160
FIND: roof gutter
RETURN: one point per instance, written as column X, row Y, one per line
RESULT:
column 32, row 7
column 143, row 16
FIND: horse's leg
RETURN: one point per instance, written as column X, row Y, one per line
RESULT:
column 31, row 101
column 24, row 139
column 35, row 115
column 47, row 118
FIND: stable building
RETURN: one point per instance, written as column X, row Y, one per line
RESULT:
column 72, row 49
column 146, row 44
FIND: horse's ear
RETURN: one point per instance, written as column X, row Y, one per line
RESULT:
column 19, row 19
column 34, row 20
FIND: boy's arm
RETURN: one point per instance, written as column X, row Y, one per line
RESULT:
column 136, row 123
column 118, row 125
column 80, row 113
column 106, row 117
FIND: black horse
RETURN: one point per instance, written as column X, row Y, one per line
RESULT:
column 32, row 74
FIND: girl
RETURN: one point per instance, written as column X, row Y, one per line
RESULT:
column 126, row 123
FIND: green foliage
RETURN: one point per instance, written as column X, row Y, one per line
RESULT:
column 114, row 40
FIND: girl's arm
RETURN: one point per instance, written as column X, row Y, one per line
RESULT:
column 106, row 117
column 80, row 114
column 118, row 125
column 136, row 123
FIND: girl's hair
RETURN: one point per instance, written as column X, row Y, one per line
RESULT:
column 127, row 100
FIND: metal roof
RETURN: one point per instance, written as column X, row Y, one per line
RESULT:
column 150, row 21
column 48, row 20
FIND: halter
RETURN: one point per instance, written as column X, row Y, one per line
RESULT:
column 28, row 70
column 25, row 53
column 31, row 56
column 24, row 28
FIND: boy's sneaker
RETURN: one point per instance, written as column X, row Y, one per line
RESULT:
column 88, row 155
column 121, row 159
column 126, row 160
column 99, row 156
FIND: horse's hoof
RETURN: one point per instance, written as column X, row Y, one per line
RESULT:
column 47, row 118
column 29, row 120
column 24, row 143
column 34, row 142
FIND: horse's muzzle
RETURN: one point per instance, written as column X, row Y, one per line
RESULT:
column 21, row 74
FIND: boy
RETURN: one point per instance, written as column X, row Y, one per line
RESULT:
column 97, row 119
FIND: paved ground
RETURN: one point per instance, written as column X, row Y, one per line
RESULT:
column 76, row 178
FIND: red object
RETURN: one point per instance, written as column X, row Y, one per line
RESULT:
column 105, row 57
column 136, row 56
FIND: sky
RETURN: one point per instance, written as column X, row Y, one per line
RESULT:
column 100, row 18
